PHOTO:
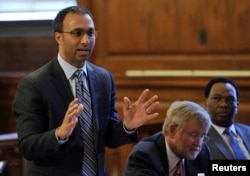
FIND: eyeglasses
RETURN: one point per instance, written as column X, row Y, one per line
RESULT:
column 79, row 33
column 196, row 136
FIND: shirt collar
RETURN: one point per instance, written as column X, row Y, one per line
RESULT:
column 69, row 69
column 172, row 158
column 221, row 130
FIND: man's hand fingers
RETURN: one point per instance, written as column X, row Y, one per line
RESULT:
column 143, row 96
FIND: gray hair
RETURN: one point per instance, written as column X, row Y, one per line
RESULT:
column 180, row 112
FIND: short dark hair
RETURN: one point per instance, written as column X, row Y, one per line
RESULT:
column 220, row 80
column 58, row 21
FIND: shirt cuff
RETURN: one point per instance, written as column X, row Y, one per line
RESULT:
column 61, row 141
column 128, row 131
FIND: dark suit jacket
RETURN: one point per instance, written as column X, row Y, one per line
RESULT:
column 41, row 101
column 148, row 158
column 219, row 149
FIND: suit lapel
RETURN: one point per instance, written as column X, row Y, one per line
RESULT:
column 161, row 145
column 93, row 89
column 220, row 144
column 61, row 83
column 244, row 135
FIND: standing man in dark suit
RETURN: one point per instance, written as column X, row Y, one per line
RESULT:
column 46, row 110
column 221, row 102
column 177, row 150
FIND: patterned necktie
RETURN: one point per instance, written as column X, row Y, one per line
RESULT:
column 178, row 170
column 235, row 146
column 89, row 166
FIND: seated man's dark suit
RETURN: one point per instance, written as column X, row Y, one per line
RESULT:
column 149, row 158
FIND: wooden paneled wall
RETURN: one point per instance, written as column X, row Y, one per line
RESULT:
column 145, row 35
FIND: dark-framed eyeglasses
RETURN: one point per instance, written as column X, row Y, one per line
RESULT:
column 79, row 33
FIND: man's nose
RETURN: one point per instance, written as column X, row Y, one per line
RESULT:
column 84, row 39
column 223, row 102
column 199, row 141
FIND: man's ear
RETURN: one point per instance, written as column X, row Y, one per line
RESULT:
column 58, row 37
column 205, row 103
column 172, row 129
column 236, row 108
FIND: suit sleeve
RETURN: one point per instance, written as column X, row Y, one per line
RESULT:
column 146, row 159
column 36, row 141
column 140, row 163
column 114, row 133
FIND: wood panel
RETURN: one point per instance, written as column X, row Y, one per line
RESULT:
column 175, row 26
column 8, row 84
column 23, row 54
column 172, row 34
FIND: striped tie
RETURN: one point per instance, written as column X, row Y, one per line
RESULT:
column 89, row 166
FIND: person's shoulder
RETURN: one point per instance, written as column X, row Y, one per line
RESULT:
column 40, row 73
column 212, row 132
column 149, row 147
column 94, row 67
column 242, row 126
column 149, row 141
column 153, row 137
column 100, row 72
